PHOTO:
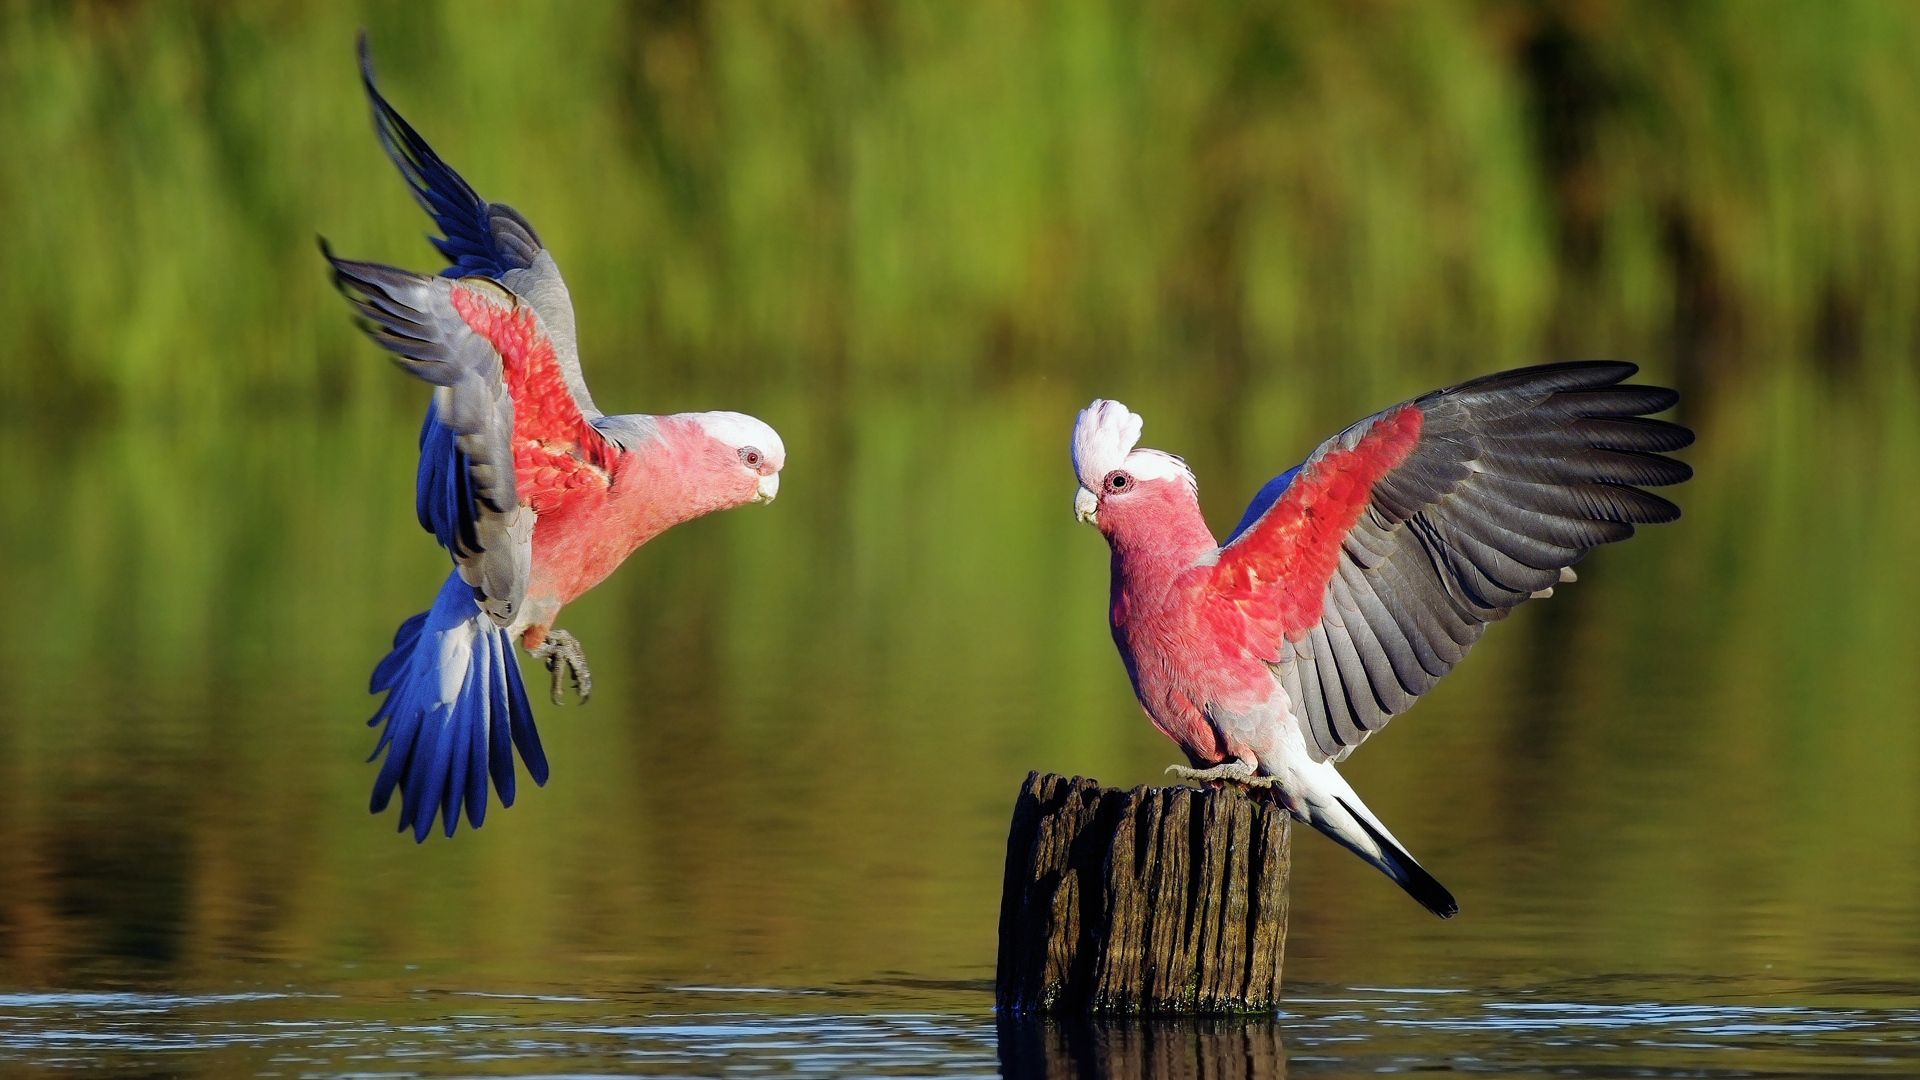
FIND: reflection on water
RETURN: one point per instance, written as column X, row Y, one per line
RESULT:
column 812, row 719
column 811, row 722
column 1125, row 1049
column 1668, row 798
column 1607, row 1026
column 945, row 1030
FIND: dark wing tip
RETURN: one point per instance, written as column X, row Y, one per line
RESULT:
column 1646, row 400
column 1585, row 374
column 473, row 240
column 365, row 52
column 1612, row 371
column 1538, row 380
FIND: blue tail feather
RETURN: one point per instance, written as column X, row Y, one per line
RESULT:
column 524, row 735
column 420, row 794
column 448, row 733
column 403, row 639
column 500, row 737
column 458, row 738
column 476, row 768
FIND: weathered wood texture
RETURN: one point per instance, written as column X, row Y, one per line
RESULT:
column 1154, row 900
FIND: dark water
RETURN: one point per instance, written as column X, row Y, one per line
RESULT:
column 1678, row 802
column 1593, row 1027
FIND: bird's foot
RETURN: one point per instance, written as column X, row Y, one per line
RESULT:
column 568, row 663
column 1227, row 772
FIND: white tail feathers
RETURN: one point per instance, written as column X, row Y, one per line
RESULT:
column 1330, row 805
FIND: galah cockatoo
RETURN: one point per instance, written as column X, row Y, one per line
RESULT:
column 1357, row 579
column 535, row 493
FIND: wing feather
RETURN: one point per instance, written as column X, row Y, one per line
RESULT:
column 1366, row 574
column 497, row 406
column 479, row 238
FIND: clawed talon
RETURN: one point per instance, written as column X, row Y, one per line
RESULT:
column 1230, row 772
column 568, row 663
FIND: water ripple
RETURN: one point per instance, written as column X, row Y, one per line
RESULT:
column 760, row 1030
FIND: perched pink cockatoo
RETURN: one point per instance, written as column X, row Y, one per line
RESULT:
column 1357, row 579
column 535, row 493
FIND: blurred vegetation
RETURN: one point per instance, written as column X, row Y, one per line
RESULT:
column 933, row 194
column 915, row 237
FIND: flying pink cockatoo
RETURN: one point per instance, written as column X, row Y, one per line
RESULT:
column 535, row 493
column 1357, row 579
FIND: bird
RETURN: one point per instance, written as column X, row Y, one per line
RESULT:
column 536, row 495
column 1356, row 580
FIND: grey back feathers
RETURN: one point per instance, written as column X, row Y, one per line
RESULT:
column 628, row 431
column 1514, row 479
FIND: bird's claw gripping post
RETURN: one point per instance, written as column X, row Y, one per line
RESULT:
column 567, row 662
column 1228, row 772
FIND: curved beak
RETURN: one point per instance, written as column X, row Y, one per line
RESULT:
column 1086, row 506
column 768, row 487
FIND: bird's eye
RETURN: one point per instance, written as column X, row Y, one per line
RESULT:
column 1118, row 481
column 751, row 456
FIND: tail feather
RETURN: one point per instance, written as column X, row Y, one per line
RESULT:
column 499, row 747
column 1397, row 864
column 389, row 666
column 525, row 738
column 1326, row 801
column 455, row 712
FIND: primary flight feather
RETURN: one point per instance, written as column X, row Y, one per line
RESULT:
column 534, row 492
column 1359, row 578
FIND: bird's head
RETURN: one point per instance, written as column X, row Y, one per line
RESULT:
column 740, row 457
column 1119, row 482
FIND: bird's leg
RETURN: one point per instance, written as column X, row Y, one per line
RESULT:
column 1232, row 772
column 566, row 661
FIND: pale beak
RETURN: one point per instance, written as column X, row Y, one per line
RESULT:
column 769, row 487
column 1086, row 507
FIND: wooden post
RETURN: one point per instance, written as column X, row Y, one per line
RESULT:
column 1154, row 900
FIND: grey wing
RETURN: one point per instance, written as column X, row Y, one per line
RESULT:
column 479, row 238
column 466, row 483
column 1515, row 477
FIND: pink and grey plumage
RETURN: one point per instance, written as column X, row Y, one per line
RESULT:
column 535, row 493
column 1356, row 580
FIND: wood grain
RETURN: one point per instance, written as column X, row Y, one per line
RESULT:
column 1148, row 901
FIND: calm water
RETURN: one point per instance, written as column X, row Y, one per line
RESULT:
column 1678, row 802
column 1596, row 1027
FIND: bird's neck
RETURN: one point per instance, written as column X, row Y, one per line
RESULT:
column 657, row 481
column 1153, row 543
column 664, row 481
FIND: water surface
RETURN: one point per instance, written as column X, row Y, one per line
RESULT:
column 1676, row 801
column 1679, row 803
column 1598, row 1027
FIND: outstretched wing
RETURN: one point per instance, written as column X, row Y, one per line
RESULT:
column 504, row 440
column 1375, row 565
column 479, row 238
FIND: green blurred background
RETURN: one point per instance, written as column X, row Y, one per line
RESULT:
column 916, row 238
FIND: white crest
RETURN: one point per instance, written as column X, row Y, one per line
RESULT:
column 740, row 430
column 1104, row 439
